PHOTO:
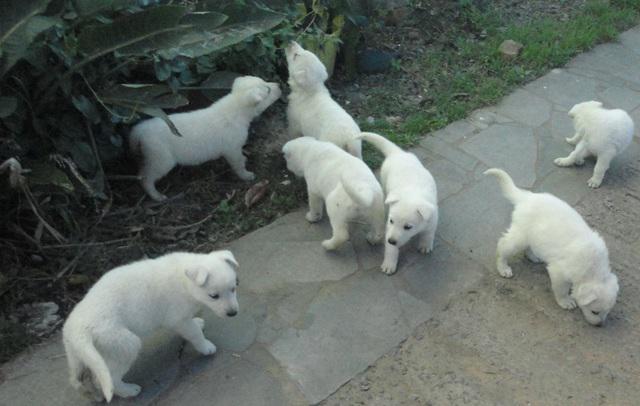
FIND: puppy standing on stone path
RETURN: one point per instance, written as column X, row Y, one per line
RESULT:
column 311, row 111
column 551, row 231
column 219, row 130
column 600, row 132
column 412, row 198
column 341, row 181
column 102, row 335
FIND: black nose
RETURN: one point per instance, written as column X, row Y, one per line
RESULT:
column 232, row 313
column 392, row 241
column 599, row 324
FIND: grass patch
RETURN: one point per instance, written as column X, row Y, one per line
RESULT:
column 471, row 73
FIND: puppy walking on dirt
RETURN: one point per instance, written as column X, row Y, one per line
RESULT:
column 599, row 132
column 412, row 198
column 102, row 335
column 552, row 232
column 311, row 111
column 341, row 181
column 219, row 130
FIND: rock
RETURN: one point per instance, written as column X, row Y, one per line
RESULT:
column 40, row 319
column 374, row 61
column 510, row 48
column 370, row 120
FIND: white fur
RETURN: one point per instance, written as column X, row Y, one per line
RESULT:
column 412, row 198
column 219, row 130
column 341, row 181
column 599, row 132
column 311, row 111
column 553, row 232
column 102, row 335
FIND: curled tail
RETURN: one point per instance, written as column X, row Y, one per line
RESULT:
column 509, row 189
column 83, row 348
column 384, row 145
column 359, row 192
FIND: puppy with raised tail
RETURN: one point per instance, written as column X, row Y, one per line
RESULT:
column 219, row 130
column 311, row 111
column 599, row 132
column 552, row 232
column 412, row 198
column 340, row 181
column 102, row 335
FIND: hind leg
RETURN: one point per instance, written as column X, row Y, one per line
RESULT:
column 511, row 243
column 604, row 159
column 338, row 218
column 120, row 349
column 428, row 236
column 316, row 205
column 575, row 139
column 157, row 163
column 576, row 157
column 377, row 223
column 238, row 163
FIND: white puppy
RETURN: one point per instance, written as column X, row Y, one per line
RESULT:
column 311, row 111
column 341, row 181
column 103, row 332
column 599, row 132
column 219, row 130
column 553, row 232
column 412, row 198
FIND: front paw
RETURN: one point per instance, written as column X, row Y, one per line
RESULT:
column 425, row 249
column 388, row 267
column 313, row 217
column 247, row 176
column 207, row 348
column 594, row 183
column 562, row 162
column 566, row 303
column 329, row 245
column 505, row 271
column 199, row 322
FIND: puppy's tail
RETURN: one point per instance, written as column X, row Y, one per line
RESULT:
column 85, row 350
column 359, row 192
column 509, row 189
column 384, row 145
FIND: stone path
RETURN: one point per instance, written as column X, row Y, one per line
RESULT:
column 311, row 321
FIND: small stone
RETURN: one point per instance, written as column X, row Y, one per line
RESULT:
column 78, row 279
column 370, row 120
column 393, row 119
column 414, row 34
column 36, row 259
column 510, row 48
column 285, row 182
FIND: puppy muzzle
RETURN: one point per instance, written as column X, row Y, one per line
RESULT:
column 231, row 313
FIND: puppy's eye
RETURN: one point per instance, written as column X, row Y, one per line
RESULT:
column 408, row 226
column 391, row 221
column 237, row 281
column 233, row 290
column 294, row 56
column 215, row 297
column 595, row 312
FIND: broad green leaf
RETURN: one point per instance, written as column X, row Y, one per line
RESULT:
column 197, row 28
column 129, row 95
column 98, row 40
column 16, row 44
column 46, row 173
column 156, row 112
column 221, row 80
column 15, row 13
column 87, row 108
column 85, row 7
column 8, row 105
column 198, row 44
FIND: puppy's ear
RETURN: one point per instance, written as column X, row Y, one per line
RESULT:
column 228, row 257
column 391, row 199
column 300, row 76
column 197, row 275
column 425, row 210
column 585, row 294
column 256, row 96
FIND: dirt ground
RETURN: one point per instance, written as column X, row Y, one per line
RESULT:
column 207, row 208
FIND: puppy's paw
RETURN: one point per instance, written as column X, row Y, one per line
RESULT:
column 594, row 183
column 199, row 322
column 374, row 238
column 562, row 162
column 313, row 217
column 329, row 245
column 505, row 271
column 247, row 176
column 127, row 390
column 566, row 303
column 388, row 268
column 207, row 348
column 425, row 249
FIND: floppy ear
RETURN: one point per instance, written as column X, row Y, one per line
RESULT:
column 197, row 275
column 425, row 210
column 255, row 96
column 391, row 199
column 585, row 294
column 301, row 77
column 228, row 257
